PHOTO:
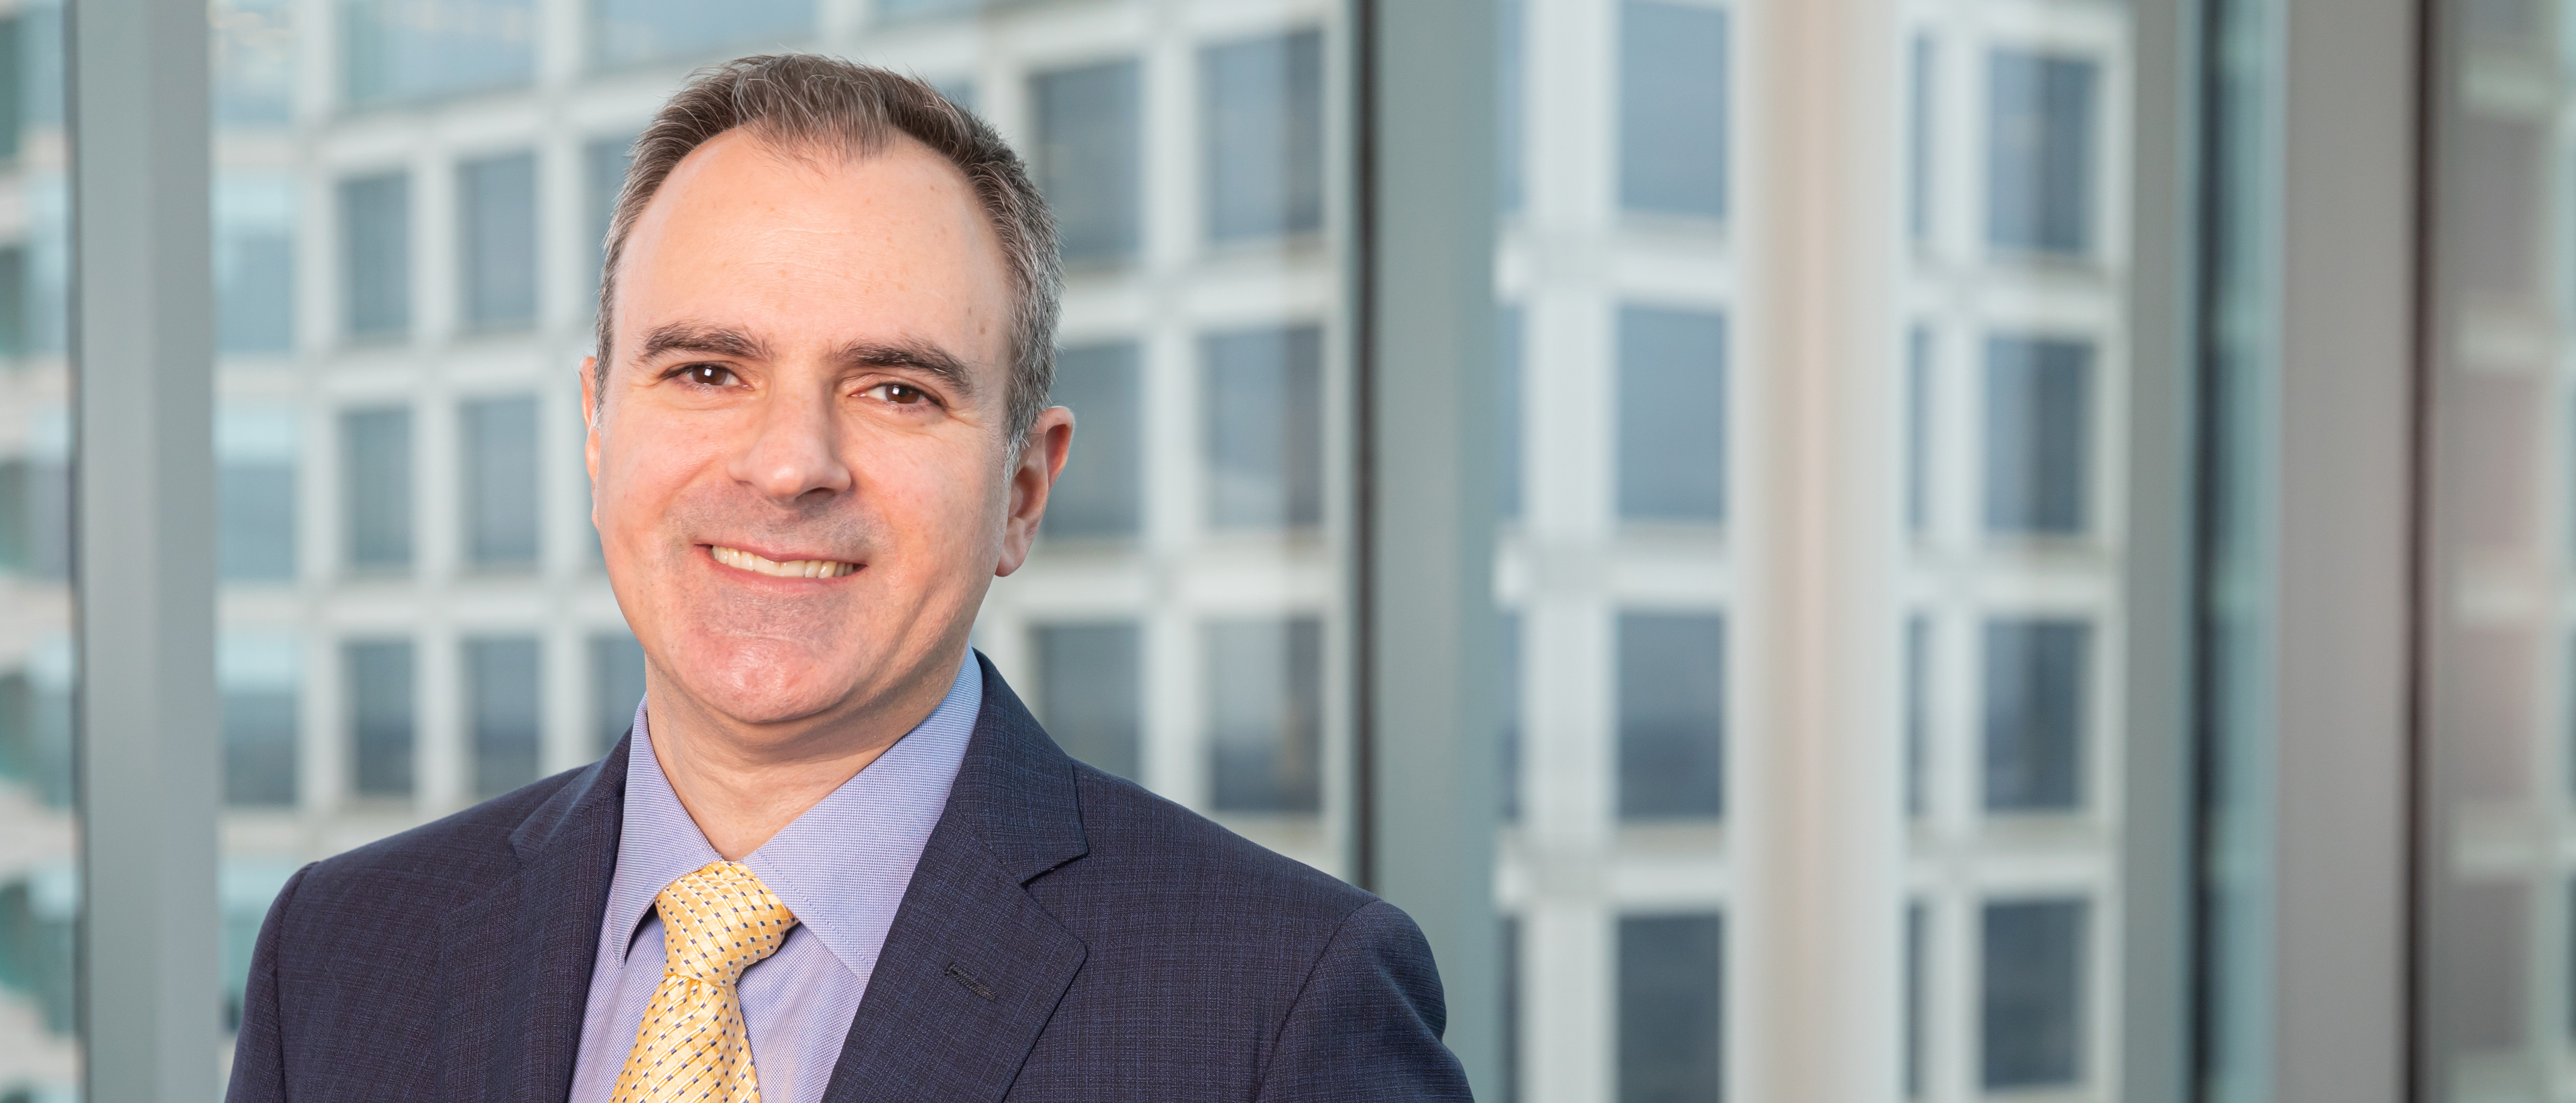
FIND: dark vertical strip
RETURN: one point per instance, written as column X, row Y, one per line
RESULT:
column 1364, row 329
column 2413, row 1062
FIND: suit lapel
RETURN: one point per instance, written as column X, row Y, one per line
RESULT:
column 973, row 967
column 516, row 963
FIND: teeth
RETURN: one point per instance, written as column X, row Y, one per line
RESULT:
column 797, row 568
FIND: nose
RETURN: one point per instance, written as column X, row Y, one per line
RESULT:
column 794, row 450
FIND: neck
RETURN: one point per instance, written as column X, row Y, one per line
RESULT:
column 743, row 783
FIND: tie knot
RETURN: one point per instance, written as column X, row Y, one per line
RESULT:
column 718, row 921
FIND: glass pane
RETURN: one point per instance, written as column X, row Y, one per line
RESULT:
column 412, row 203
column 1685, row 457
column 40, row 1055
column 2498, row 914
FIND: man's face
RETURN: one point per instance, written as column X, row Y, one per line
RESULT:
column 799, row 456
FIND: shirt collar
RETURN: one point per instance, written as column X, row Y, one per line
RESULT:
column 842, row 866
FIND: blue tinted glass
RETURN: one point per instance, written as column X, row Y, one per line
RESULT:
column 1918, row 138
column 616, row 686
column 1672, row 108
column 499, row 448
column 257, row 680
column 1263, row 396
column 1513, row 738
column 1672, row 415
column 36, row 730
column 1918, row 944
column 497, row 240
column 1672, row 715
column 625, row 31
column 1918, row 430
column 35, row 517
column 502, row 676
column 1508, row 372
column 2039, row 153
column 1089, row 158
column 375, row 254
column 2033, row 996
column 1091, row 681
column 1672, row 1025
column 376, row 486
column 255, row 521
column 380, row 716
column 422, row 49
column 1510, row 113
column 1264, row 127
column 1918, row 714
column 603, row 173
column 254, row 264
column 254, row 62
column 2035, row 682
column 2039, row 435
column 1265, row 714
column 38, row 914
column 1101, row 491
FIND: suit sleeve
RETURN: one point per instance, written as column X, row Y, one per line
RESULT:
column 1368, row 1023
column 259, row 1052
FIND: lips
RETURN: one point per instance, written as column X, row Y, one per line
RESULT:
column 793, row 568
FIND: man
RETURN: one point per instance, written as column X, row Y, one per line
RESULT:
column 834, row 859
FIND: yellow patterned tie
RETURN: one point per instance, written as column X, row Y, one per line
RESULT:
column 692, row 1045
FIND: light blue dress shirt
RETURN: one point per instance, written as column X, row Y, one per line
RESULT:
column 842, row 867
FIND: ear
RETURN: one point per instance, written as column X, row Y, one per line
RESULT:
column 1042, row 456
column 590, row 430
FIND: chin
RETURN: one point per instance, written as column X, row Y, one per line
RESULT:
column 771, row 684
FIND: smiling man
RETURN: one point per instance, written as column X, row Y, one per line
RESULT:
column 835, row 858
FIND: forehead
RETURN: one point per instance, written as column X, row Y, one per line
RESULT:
column 810, row 246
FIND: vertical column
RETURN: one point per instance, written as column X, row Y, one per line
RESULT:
column 1815, row 961
column 144, row 517
column 1427, row 414
column 2345, row 465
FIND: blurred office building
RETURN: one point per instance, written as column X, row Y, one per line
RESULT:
column 409, row 201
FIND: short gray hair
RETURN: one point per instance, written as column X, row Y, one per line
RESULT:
column 808, row 101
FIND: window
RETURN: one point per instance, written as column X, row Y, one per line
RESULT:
column 1507, row 396
column 256, row 676
column 497, row 246
column 499, row 450
column 1089, row 158
column 1672, row 1038
column 380, row 716
column 1918, row 430
column 627, row 31
column 1672, row 415
column 1918, row 715
column 1918, row 936
column 2039, row 153
column 1101, row 491
column 36, row 725
column 1672, row 108
column 255, row 264
column 1091, row 681
column 37, row 915
column 2039, row 435
column 255, row 493
column 603, row 174
column 376, row 490
column 255, row 63
column 2033, row 1015
column 1264, row 135
column 1265, row 714
column 1672, row 715
column 503, row 683
column 616, row 686
column 1511, row 86
column 2035, row 713
column 406, row 50
column 1513, row 741
column 375, row 255
column 1918, row 138
column 1262, row 394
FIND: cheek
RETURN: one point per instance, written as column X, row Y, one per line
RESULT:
column 642, row 469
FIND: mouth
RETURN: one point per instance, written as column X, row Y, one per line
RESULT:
column 793, row 568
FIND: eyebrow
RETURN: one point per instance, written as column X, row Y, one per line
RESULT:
column 917, row 355
column 693, row 337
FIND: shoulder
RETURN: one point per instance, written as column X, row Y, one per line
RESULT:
column 1148, row 851
column 430, row 869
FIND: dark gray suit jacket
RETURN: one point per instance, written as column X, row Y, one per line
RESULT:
column 1066, row 936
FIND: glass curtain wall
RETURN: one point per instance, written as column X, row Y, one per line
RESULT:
column 39, row 888
column 1635, row 374
column 2499, row 596
column 409, row 204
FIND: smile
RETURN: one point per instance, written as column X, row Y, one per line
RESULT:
column 794, row 568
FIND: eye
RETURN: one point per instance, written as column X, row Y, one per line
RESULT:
column 708, row 375
column 901, row 394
